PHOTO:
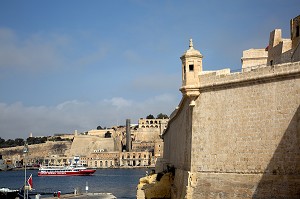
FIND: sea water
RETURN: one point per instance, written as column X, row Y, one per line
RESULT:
column 120, row 182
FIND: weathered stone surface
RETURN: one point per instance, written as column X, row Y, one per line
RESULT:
column 151, row 187
column 239, row 137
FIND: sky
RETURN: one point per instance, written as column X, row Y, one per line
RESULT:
column 75, row 65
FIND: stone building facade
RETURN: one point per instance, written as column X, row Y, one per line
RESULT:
column 254, row 57
column 149, row 130
column 118, row 159
column 101, row 159
column 236, row 135
column 136, row 158
column 153, row 123
column 280, row 50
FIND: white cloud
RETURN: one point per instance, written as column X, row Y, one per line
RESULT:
column 93, row 57
column 33, row 53
column 156, row 81
column 45, row 52
column 17, row 120
column 132, row 56
column 119, row 102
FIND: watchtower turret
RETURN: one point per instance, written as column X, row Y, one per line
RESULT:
column 191, row 68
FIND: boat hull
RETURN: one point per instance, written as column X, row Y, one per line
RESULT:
column 86, row 172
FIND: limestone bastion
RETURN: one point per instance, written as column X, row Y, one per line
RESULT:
column 235, row 135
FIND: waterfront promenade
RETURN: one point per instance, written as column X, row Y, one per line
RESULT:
column 85, row 195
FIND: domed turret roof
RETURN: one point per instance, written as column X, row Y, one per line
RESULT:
column 191, row 52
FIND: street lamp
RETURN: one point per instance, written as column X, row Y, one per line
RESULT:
column 25, row 152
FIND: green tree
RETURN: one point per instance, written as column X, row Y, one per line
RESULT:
column 58, row 139
column 162, row 116
column 2, row 141
column 36, row 140
column 10, row 143
column 150, row 117
column 19, row 141
column 107, row 134
column 99, row 128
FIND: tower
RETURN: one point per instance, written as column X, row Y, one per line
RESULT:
column 295, row 36
column 295, row 31
column 128, row 136
column 191, row 68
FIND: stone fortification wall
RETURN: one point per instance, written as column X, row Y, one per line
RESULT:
column 296, row 53
column 241, row 137
column 147, row 134
column 84, row 145
column 177, row 148
column 245, row 135
column 177, row 139
column 100, row 133
column 37, row 150
column 212, row 80
column 254, row 57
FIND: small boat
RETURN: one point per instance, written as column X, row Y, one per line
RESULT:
column 72, row 170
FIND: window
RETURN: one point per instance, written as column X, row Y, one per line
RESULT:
column 271, row 62
column 191, row 67
column 297, row 31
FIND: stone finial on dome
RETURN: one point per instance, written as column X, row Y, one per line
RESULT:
column 191, row 51
column 191, row 43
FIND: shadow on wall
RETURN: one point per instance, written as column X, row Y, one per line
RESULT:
column 281, row 179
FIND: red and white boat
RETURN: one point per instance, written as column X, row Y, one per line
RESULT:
column 72, row 170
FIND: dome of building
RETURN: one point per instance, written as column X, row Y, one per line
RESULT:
column 191, row 51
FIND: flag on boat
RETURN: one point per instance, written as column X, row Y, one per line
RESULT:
column 29, row 181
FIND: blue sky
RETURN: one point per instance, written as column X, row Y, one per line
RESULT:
column 73, row 65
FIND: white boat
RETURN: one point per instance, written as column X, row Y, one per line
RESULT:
column 72, row 170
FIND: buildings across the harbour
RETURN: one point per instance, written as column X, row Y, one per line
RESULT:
column 136, row 146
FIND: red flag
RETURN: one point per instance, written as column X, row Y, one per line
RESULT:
column 29, row 181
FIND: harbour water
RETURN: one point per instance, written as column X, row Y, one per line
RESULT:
column 120, row 182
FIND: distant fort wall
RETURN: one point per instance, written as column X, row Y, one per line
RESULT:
column 86, row 144
column 37, row 151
